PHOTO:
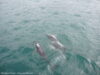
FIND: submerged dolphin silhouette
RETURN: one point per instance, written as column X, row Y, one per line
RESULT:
column 55, row 42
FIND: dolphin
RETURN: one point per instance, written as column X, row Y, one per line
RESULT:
column 55, row 42
column 39, row 50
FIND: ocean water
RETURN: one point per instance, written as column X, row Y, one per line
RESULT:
column 76, row 23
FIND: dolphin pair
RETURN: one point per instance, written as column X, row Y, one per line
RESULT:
column 55, row 43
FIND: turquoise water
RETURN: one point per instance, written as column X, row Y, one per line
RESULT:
column 76, row 23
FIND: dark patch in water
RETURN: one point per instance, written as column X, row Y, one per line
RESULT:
column 15, row 67
column 17, row 14
column 11, row 22
column 36, row 20
column 17, row 39
column 77, row 15
column 4, row 49
column 17, row 28
column 42, row 8
column 56, row 13
column 26, row 21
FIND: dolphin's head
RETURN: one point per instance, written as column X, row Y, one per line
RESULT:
column 52, row 37
column 36, row 44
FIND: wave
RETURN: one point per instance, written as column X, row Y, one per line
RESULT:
column 60, row 63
